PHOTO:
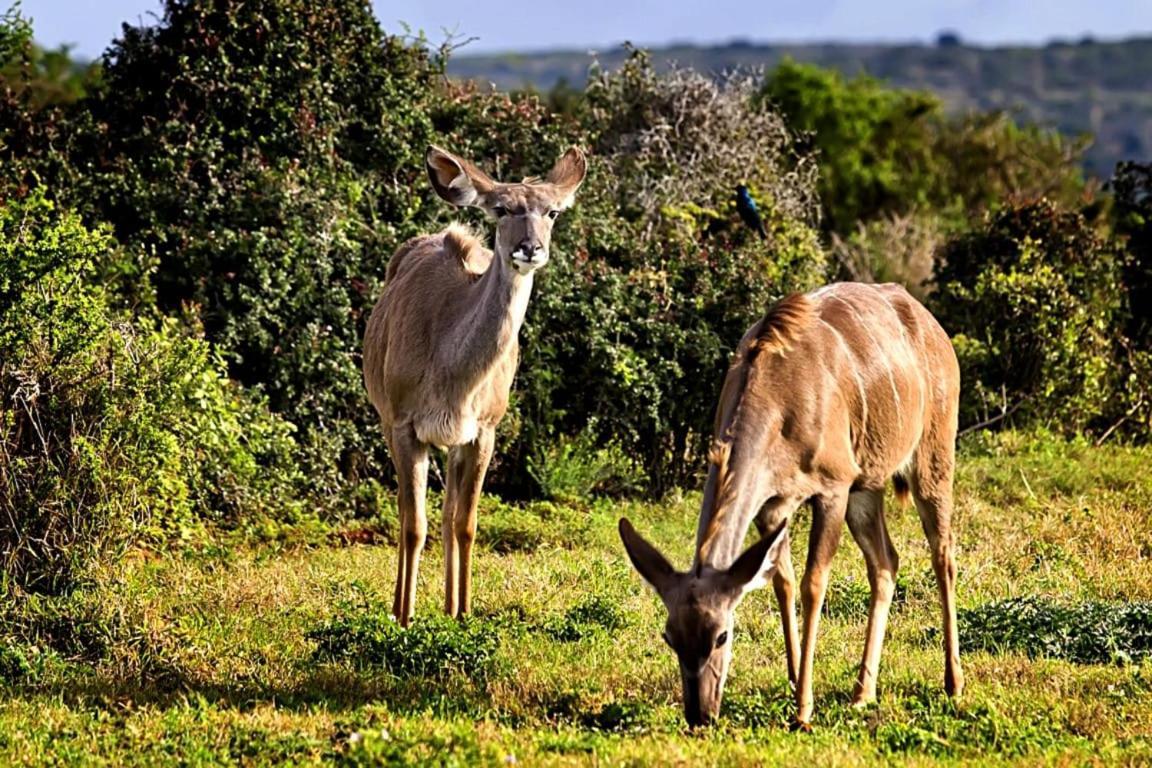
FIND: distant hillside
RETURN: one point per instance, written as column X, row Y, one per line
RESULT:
column 1104, row 88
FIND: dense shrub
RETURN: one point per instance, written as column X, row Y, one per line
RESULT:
column 579, row 467
column 1132, row 187
column 433, row 647
column 874, row 142
column 632, row 325
column 1084, row 633
column 111, row 428
column 1132, row 192
column 887, row 151
column 1031, row 298
column 262, row 156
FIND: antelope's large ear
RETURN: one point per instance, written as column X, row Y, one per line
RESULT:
column 567, row 175
column 755, row 566
column 455, row 180
column 652, row 566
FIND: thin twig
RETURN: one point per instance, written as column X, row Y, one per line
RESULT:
column 997, row 418
column 1026, row 485
column 1122, row 419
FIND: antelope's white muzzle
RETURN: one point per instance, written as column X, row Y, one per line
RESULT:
column 526, row 262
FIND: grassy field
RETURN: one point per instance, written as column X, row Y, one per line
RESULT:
column 263, row 655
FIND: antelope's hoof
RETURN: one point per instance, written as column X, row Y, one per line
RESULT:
column 800, row 726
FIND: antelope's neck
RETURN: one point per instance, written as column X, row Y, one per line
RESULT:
column 740, row 480
column 490, row 327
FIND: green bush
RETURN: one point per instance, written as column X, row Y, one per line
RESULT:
column 578, row 467
column 592, row 616
column 631, row 328
column 258, row 159
column 1031, row 297
column 1084, row 633
column 874, row 141
column 434, row 646
column 111, row 429
column 886, row 151
column 1132, row 189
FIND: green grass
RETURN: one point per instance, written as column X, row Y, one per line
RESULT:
column 267, row 655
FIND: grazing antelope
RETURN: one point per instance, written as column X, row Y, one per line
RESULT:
column 828, row 396
column 441, row 349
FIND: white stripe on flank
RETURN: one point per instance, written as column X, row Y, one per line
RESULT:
column 880, row 354
column 856, row 373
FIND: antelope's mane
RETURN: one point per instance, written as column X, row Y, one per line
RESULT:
column 461, row 240
column 776, row 333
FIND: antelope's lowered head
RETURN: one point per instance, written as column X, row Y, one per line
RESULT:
column 524, row 212
column 701, row 605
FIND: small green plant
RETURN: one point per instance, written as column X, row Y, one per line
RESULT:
column 580, row 466
column 592, row 616
column 1088, row 632
column 434, row 646
column 760, row 709
column 619, row 717
column 15, row 664
column 506, row 527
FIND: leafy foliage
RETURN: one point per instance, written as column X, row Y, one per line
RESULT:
column 433, row 647
column 1031, row 299
column 874, row 142
column 886, row 151
column 591, row 616
column 261, row 156
column 110, row 428
column 578, row 467
column 1090, row 632
column 633, row 327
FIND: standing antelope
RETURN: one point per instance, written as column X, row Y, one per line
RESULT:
column 441, row 349
column 828, row 396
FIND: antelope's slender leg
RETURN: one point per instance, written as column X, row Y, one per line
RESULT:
column 827, row 524
column 933, row 497
column 448, row 531
column 866, row 522
column 398, row 591
column 474, row 460
column 784, row 586
column 410, row 457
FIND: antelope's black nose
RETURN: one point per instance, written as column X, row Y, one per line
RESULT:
column 529, row 247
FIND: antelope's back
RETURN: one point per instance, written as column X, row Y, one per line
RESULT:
column 876, row 372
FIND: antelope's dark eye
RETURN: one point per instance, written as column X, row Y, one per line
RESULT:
column 553, row 214
column 721, row 639
column 499, row 211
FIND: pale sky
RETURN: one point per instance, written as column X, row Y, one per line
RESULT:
column 89, row 25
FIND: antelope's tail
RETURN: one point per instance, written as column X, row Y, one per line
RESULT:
column 902, row 489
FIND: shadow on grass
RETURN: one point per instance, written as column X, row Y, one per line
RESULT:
column 336, row 688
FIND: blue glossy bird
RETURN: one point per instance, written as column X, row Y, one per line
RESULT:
column 748, row 211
